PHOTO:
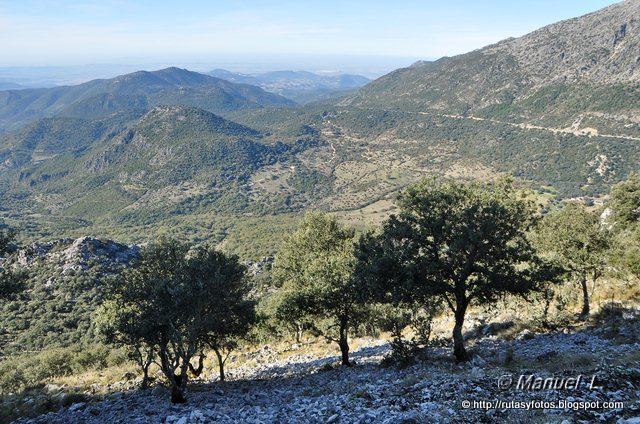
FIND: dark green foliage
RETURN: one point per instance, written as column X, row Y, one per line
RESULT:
column 417, row 317
column 11, row 280
column 310, row 181
column 7, row 236
column 314, row 270
column 463, row 242
column 624, row 206
column 577, row 239
column 174, row 302
column 625, row 202
column 625, row 253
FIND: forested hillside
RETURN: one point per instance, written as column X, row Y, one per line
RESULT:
column 139, row 90
column 556, row 109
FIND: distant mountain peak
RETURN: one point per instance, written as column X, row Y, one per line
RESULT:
column 138, row 90
column 174, row 69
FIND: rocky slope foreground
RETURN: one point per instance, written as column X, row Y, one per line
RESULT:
column 307, row 389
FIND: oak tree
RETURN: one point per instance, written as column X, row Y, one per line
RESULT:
column 577, row 239
column 173, row 303
column 464, row 242
column 315, row 270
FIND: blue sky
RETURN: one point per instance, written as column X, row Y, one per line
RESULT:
column 72, row 32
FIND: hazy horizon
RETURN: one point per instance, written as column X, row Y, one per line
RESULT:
column 73, row 32
column 53, row 42
column 369, row 66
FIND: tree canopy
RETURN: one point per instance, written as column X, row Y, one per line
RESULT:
column 577, row 239
column 464, row 242
column 11, row 281
column 315, row 270
column 174, row 302
column 625, row 202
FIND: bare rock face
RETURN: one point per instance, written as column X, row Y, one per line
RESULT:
column 258, row 267
column 601, row 47
column 67, row 258
column 78, row 254
column 585, row 66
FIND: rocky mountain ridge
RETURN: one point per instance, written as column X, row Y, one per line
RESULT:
column 600, row 47
column 75, row 255
column 585, row 68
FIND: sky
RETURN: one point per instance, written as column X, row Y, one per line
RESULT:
column 74, row 32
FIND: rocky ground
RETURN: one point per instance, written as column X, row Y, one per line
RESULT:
column 306, row 389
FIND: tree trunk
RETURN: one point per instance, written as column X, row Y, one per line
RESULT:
column 458, row 341
column 144, row 361
column 585, row 297
column 180, row 383
column 197, row 371
column 220, row 363
column 145, row 375
column 344, row 342
column 177, row 388
column 177, row 395
column 547, row 305
column 169, row 371
column 298, row 333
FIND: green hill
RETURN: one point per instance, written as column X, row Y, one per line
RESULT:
column 173, row 161
column 138, row 90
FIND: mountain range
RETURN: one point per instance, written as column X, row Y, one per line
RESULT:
column 300, row 86
column 182, row 152
column 139, row 90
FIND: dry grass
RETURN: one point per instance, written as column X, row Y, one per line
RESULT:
column 97, row 379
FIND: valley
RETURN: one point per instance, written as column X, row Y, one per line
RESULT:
column 270, row 245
